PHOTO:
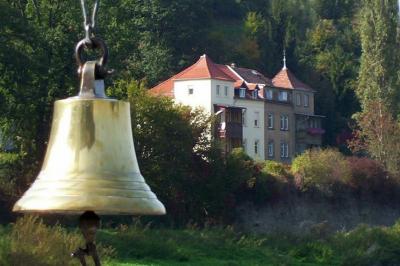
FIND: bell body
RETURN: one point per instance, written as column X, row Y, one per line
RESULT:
column 90, row 163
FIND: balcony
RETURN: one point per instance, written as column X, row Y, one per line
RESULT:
column 315, row 131
column 230, row 130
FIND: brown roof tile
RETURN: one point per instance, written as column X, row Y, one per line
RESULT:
column 204, row 68
column 240, row 84
column 253, row 86
column 252, row 76
column 165, row 88
column 286, row 79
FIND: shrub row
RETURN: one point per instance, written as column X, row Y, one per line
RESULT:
column 328, row 171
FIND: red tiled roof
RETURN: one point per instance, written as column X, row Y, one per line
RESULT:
column 253, row 86
column 204, row 68
column 286, row 79
column 240, row 84
column 228, row 72
column 164, row 88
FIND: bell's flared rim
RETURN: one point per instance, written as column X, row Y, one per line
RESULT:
column 77, row 205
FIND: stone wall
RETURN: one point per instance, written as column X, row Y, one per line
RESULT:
column 300, row 214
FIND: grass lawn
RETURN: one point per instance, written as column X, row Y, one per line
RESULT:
column 363, row 246
column 193, row 247
column 30, row 242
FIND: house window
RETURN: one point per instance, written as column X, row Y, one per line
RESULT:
column 271, row 149
column 283, row 96
column 190, row 90
column 226, row 90
column 284, row 122
column 298, row 99
column 256, row 147
column 306, row 100
column 270, row 121
column 244, row 118
column 235, row 116
column 269, row 94
column 313, row 123
column 218, row 89
column 284, row 150
column 242, row 92
column 256, row 119
column 244, row 145
column 255, row 94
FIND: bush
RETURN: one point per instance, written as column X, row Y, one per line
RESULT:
column 8, row 166
column 276, row 169
column 320, row 169
column 369, row 176
column 369, row 245
column 16, row 173
column 33, row 242
column 266, row 187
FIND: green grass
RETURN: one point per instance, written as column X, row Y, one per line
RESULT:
column 143, row 246
column 363, row 246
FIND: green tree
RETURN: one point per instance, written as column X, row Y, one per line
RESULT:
column 378, row 88
column 167, row 40
column 378, row 78
column 378, row 133
column 334, row 9
column 171, row 146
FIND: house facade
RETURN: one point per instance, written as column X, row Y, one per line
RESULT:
column 271, row 119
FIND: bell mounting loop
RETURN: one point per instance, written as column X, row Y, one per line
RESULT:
column 94, row 44
column 88, row 71
column 91, row 42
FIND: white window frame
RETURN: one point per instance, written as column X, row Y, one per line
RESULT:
column 271, row 149
column 306, row 100
column 254, row 94
column 313, row 123
column 269, row 94
column 226, row 91
column 242, row 92
column 270, row 121
column 218, row 88
column 298, row 99
column 283, row 96
column 284, row 122
column 284, row 150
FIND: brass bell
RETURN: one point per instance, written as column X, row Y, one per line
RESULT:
column 90, row 162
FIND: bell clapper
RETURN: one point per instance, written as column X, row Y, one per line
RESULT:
column 89, row 222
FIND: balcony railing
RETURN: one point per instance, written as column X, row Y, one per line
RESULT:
column 315, row 131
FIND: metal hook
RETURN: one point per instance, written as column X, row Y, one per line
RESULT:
column 89, row 25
